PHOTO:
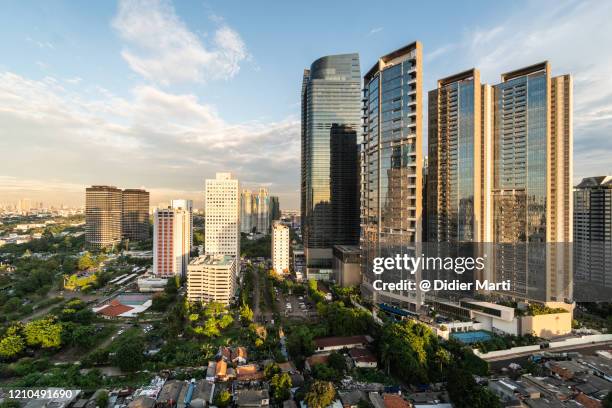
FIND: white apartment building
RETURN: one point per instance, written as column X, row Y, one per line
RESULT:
column 222, row 216
column 171, row 242
column 186, row 205
column 211, row 278
column 280, row 248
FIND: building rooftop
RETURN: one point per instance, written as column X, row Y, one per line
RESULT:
column 216, row 260
column 342, row 341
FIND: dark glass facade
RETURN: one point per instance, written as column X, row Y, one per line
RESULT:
column 331, row 117
column 391, row 166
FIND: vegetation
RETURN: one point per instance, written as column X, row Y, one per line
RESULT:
column 536, row 309
column 320, row 394
column 257, row 248
column 465, row 393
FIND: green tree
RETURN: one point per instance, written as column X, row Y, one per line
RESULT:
column 320, row 394
column 337, row 362
column 300, row 342
column 129, row 355
column 223, row 399
column 102, row 399
column 214, row 309
column 85, row 261
column 11, row 346
column 465, row 393
column 226, row 321
column 271, row 370
column 607, row 402
column 44, row 333
column 281, row 387
column 246, row 314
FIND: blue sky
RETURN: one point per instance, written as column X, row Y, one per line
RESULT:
column 162, row 94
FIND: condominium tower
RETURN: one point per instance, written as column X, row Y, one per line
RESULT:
column 135, row 214
column 171, row 244
column 593, row 239
column 532, row 182
column 392, row 166
column 280, row 248
column 222, row 216
column 103, row 213
column 186, row 205
column 331, row 118
column 459, row 160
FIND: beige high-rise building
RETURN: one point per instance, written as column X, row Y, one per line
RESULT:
column 246, row 212
column 280, row 248
column 171, row 242
column 532, row 183
column 103, row 213
column 391, row 193
column 135, row 214
column 212, row 278
column 459, row 160
column 222, row 216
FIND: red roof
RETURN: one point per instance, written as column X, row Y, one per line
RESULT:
column 363, row 355
column 395, row 401
column 115, row 309
column 341, row 341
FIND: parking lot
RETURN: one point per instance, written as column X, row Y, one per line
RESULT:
column 295, row 306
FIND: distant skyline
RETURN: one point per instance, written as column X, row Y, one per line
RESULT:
column 161, row 95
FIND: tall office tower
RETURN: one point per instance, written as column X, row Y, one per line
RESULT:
column 280, row 248
column 262, row 210
column 170, row 242
column 103, row 209
column 425, row 209
column 392, row 167
column 222, row 216
column 532, row 207
column 275, row 213
column 331, row 117
column 24, row 206
column 593, row 238
column 135, row 214
column 459, row 163
column 186, row 205
column 246, row 212
column 212, row 278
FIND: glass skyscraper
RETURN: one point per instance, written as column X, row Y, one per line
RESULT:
column 532, row 167
column 331, row 118
column 392, row 165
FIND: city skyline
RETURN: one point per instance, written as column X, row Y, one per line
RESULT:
column 164, row 129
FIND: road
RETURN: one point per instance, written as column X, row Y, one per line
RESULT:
column 521, row 358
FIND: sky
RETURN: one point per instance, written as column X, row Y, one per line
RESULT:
column 161, row 95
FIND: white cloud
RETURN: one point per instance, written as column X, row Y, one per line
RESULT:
column 375, row 30
column 154, row 138
column 161, row 48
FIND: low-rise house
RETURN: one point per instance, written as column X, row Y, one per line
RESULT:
column 249, row 372
column 251, row 398
column 351, row 399
column 169, row 395
column 211, row 371
column 363, row 358
column 338, row 343
column 239, row 355
column 567, row 370
column 142, row 402
column 395, row 401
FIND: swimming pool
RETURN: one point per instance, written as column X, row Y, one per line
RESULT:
column 472, row 336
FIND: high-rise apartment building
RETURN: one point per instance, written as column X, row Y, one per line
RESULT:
column 246, row 212
column 458, row 160
column 222, row 216
column 212, row 278
column 262, row 210
column 186, row 205
column 103, row 213
column 275, row 213
column 331, row 118
column 280, row 248
column 593, row 238
column 171, row 244
column 135, row 214
column 391, row 191
column 532, row 187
